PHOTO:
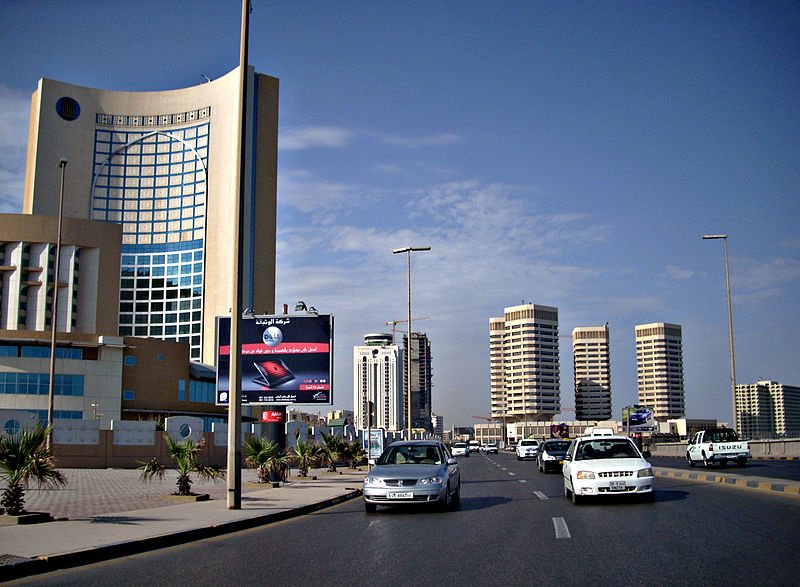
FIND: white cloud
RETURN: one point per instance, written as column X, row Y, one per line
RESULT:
column 312, row 137
column 675, row 273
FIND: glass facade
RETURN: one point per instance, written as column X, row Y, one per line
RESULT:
column 153, row 181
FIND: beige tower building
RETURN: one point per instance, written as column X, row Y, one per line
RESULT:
column 524, row 364
column 164, row 166
column 659, row 367
column 591, row 359
column 768, row 409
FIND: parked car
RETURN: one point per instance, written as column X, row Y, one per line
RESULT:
column 602, row 466
column 527, row 448
column 460, row 449
column 551, row 455
column 490, row 447
column 413, row 472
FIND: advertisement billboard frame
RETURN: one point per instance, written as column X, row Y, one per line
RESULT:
column 287, row 359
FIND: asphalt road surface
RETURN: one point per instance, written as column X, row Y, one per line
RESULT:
column 514, row 527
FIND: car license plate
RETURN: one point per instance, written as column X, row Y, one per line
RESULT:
column 616, row 486
column 400, row 495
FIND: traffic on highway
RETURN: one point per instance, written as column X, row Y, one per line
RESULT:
column 511, row 526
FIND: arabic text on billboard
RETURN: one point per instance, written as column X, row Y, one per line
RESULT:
column 285, row 359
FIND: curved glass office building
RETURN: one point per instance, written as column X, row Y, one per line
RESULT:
column 164, row 165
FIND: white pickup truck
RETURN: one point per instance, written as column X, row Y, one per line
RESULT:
column 717, row 445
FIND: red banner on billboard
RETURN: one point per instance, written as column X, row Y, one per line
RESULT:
column 272, row 416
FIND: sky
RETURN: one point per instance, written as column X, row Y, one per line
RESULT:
column 564, row 154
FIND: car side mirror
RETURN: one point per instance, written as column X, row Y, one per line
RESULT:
column 452, row 461
column 567, row 458
column 371, row 462
column 646, row 454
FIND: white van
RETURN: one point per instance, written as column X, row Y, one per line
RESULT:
column 474, row 446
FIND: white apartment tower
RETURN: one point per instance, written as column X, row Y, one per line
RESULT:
column 659, row 367
column 592, row 368
column 377, row 379
column 768, row 409
column 523, row 364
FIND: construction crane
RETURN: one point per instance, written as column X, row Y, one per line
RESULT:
column 394, row 323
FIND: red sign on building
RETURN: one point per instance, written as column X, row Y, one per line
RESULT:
column 272, row 416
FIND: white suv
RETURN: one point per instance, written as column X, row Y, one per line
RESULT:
column 527, row 448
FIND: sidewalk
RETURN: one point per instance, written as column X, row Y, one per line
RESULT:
column 102, row 514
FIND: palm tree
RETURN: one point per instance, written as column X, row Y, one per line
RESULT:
column 330, row 449
column 186, row 455
column 353, row 453
column 24, row 457
column 266, row 456
column 305, row 454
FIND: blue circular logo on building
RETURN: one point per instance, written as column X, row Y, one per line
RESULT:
column 68, row 108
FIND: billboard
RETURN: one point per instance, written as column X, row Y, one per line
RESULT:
column 638, row 419
column 286, row 359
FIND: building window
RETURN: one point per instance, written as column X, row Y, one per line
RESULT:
column 128, row 395
column 130, row 361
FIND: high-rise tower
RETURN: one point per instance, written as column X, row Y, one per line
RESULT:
column 377, row 381
column 164, row 166
column 659, row 366
column 524, row 364
column 592, row 366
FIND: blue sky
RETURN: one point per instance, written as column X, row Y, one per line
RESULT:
column 567, row 155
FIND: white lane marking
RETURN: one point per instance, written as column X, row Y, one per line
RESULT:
column 522, row 480
column 561, row 528
column 540, row 495
column 512, row 473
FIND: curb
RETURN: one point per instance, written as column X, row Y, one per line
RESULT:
column 760, row 483
column 24, row 567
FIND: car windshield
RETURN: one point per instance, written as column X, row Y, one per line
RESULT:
column 528, row 443
column 618, row 448
column 417, row 454
column 558, row 446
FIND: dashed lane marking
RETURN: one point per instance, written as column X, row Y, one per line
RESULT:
column 540, row 495
column 561, row 528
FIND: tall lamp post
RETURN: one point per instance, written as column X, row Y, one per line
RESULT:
column 51, row 389
column 408, row 251
column 724, row 238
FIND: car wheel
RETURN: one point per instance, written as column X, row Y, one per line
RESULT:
column 370, row 508
column 741, row 462
column 576, row 500
column 446, row 502
column 691, row 462
column 519, row 458
column 706, row 463
column 457, row 496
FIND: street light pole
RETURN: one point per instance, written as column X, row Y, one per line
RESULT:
column 408, row 251
column 234, row 454
column 724, row 238
column 51, row 390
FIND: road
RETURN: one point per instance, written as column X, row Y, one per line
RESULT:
column 514, row 527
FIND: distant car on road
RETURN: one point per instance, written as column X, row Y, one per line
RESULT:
column 527, row 449
column 460, row 449
column 551, row 455
column 602, row 466
column 489, row 447
column 474, row 446
column 413, row 472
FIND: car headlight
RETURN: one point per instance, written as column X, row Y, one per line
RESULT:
column 372, row 481
column 548, row 457
column 431, row 481
column 585, row 475
column 648, row 472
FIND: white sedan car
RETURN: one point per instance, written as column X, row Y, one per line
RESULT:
column 600, row 466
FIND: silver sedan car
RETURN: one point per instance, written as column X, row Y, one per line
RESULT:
column 413, row 472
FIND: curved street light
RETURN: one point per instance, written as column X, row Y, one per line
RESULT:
column 724, row 239
column 408, row 251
